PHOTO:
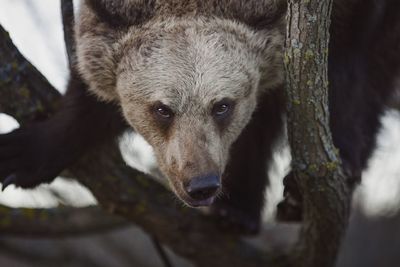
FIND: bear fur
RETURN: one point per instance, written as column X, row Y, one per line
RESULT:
column 202, row 82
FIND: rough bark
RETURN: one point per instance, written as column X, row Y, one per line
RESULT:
column 56, row 222
column 316, row 164
column 25, row 92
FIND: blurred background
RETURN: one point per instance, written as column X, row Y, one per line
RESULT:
column 373, row 237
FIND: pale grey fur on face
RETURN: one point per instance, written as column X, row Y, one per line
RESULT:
column 188, row 64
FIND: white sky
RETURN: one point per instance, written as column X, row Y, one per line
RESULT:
column 35, row 27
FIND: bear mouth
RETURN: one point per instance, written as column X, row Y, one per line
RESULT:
column 195, row 202
column 199, row 203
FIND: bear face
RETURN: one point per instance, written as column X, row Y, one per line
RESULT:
column 189, row 87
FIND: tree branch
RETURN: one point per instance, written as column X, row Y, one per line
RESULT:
column 56, row 222
column 25, row 92
column 316, row 164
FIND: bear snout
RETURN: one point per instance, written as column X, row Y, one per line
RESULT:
column 202, row 189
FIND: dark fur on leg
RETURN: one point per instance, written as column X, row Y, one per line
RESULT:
column 36, row 154
column 364, row 64
column 245, row 178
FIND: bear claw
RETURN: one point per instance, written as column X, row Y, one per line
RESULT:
column 11, row 179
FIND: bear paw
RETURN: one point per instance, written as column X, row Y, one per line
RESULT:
column 290, row 208
column 233, row 220
column 24, row 159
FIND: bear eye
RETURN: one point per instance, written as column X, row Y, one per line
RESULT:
column 222, row 109
column 163, row 112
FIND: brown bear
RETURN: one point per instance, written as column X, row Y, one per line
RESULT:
column 202, row 82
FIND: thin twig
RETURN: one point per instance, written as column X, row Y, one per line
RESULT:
column 161, row 252
column 68, row 19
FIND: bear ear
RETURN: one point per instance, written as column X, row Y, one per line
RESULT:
column 260, row 14
column 123, row 13
column 96, row 64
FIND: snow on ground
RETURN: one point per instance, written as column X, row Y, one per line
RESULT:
column 379, row 193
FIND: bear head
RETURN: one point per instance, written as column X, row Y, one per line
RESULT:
column 189, row 87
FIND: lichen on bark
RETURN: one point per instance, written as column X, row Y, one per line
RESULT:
column 316, row 166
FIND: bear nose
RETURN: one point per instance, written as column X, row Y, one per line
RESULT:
column 203, row 187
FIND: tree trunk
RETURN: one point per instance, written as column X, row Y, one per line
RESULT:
column 316, row 164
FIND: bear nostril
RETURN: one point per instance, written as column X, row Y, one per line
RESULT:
column 203, row 193
column 203, row 187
